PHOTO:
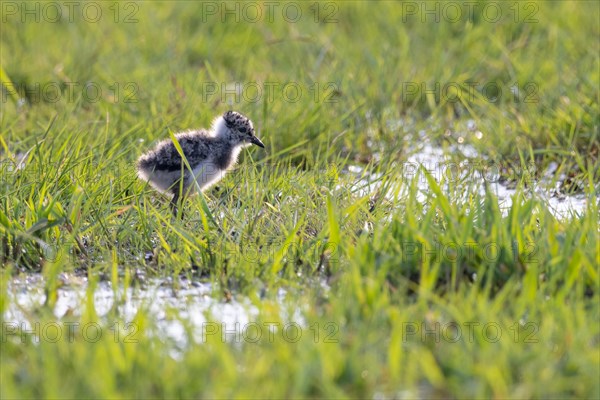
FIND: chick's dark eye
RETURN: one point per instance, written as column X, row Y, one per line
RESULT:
column 243, row 130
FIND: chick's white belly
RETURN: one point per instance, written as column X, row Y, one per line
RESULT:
column 160, row 180
column 206, row 174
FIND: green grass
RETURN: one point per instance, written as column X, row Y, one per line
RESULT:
column 293, row 216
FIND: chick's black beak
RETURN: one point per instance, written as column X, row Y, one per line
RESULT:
column 256, row 141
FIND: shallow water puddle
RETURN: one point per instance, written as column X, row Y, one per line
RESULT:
column 189, row 308
column 465, row 178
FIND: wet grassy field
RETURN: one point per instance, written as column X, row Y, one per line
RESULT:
column 422, row 223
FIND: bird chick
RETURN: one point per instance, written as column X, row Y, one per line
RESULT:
column 210, row 154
